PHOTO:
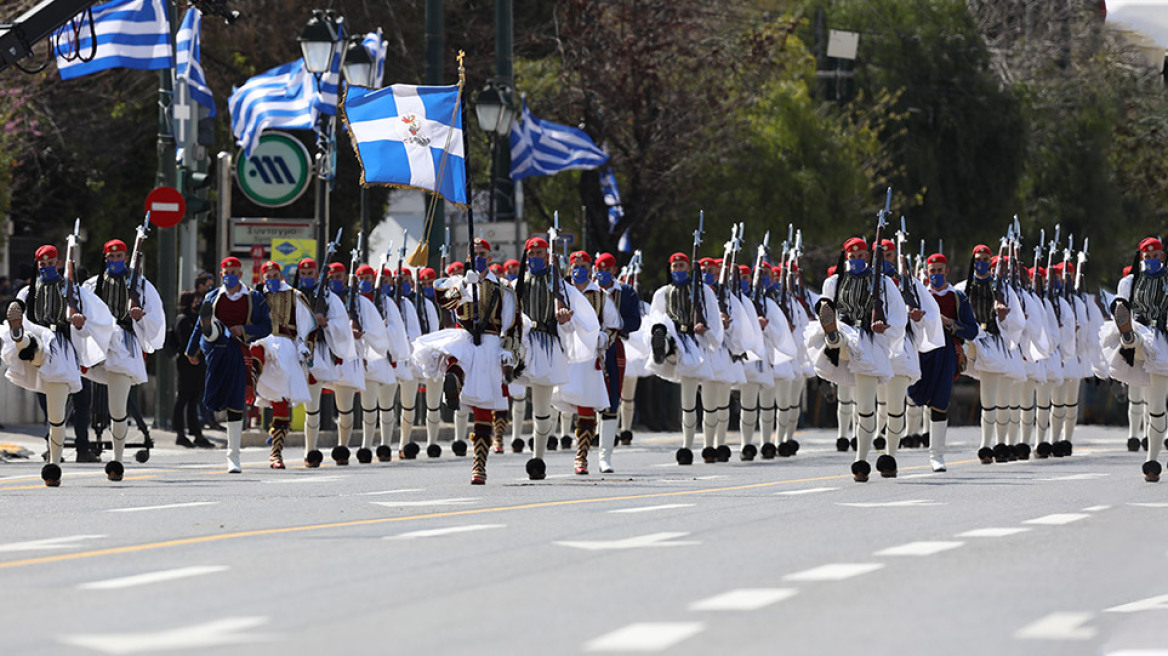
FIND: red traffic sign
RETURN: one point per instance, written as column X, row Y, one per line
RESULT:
column 166, row 206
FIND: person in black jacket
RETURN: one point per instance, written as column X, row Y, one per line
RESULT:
column 190, row 376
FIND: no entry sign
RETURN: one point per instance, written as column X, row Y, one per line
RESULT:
column 166, row 206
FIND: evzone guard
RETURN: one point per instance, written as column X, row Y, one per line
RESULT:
column 420, row 315
column 53, row 329
column 231, row 317
column 384, row 348
column 624, row 298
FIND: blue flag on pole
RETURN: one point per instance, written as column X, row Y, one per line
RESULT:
column 409, row 136
column 377, row 47
column 279, row 98
column 127, row 33
column 188, row 59
column 545, row 148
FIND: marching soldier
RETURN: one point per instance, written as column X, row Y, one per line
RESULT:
column 624, row 298
column 421, row 317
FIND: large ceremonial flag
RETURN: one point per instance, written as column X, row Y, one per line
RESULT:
column 279, row 98
column 545, row 148
column 409, row 136
column 188, row 58
column 127, row 33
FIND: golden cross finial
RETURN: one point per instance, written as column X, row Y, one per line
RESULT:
column 461, row 69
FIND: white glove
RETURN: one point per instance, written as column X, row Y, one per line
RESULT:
column 506, row 359
column 305, row 353
column 472, row 277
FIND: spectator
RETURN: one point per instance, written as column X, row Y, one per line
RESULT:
column 190, row 376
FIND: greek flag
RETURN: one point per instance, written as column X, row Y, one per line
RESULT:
column 279, row 98
column 377, row 47
column 324, row 97
column 545, row 148
column 612, row 200
column 409, row 136
column 188, row 56
column 128, row 33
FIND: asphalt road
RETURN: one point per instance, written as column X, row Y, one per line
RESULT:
column 1062, row 556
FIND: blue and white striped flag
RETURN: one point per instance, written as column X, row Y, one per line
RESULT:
column 326, row 88
column 545, row 148
column 188, row 57
column 409, row 136
column 279, row 98
column 377, row 47
column 128, row 33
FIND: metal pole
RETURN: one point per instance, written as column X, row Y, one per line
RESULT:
column 434, row 49
column 491, row 182
column 502, row 189
column 223, row 180
column 364, row 226
column 320, row 188
column 167, row 281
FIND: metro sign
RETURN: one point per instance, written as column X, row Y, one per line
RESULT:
column 166, row 206
column 278, row 171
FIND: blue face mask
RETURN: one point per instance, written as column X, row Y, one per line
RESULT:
column 981, row 267
column 744, row 285
column 1149, row 266
column 536, row 265
column 604, row 278
column 337, row 286
column 708, row 278
column 937, row 280
column 857, row 266
column 308, row 284
column 512, row 276
column 273, row 284
column 230, row 280
column 406, row 289
column 764, row 282
column 579, row 275
column 679, row 277
column 480, row 264
column 428, row 292
column 365, row 286
column 116, row 268
column 49, row 274
column 889, row 270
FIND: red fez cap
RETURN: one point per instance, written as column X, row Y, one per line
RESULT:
column 1070, row 267
column 511, row 264
column 605, row 260
column 427, row 274
column 937, row 258
column 1041, row 272
column 366, row 270
column 888, row 245
column 455, row 268
column 536, row 242
column 230, row 261
column 743, row 270
column 271, row 265
column 46, row 251
column 718, row 261
column 706, row 261
column 855, row 245
column 1151, row 244
column 114, row 246
column 479, row 242
column 387, row 272
column 679, row 257
column 580, row 256
column 496, row 268
column 1127, row 270
column 982, row 249
column 994, row 261
column 405, row 273
column 307, row 263
column 336, row 267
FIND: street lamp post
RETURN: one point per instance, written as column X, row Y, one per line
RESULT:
column 318, row 45
column 359, row 70
column 495, row 114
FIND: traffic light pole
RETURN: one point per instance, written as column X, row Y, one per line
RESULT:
column 166, row 281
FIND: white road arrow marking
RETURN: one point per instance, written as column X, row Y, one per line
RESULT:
column 47, row 543
column 992, row 532
column 218, row 633
column 438, row 532
column 745, row 599
column 834, row 572
column 1058, row 519
column 810, row 490
column 646, row 636
column 152, row 577
column 1151, row 603
column 1059, row 626
column 919, row 549
column 432, row 502
column 640, row 542
column 641, row 509
column 908, row 503
column 166, row 507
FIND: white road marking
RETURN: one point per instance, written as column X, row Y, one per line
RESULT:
column 152, row 577
column 711, row 477
column 372, row 494
column 227, row 631
column 438, row 532
column 645, row 636
column 992, row 532
column 47, row 543
column 639, row 542
column 744, row 599
column 432, row 502
column 1138, row 652
column 1057, row 519
column 924, row 475
column 641, row 509
column 306, row 479
column 1074, row 477
column 908, row 503
column 1096, row 508
column 834, row 572
column 1157, row 504
column 1058, row 626
column 165, row 507
column 810, row 490
column 919, row 549
column 1159, row 602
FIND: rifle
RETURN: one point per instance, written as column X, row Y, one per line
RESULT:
column 1050, row 278
column 727, row 255
column 557, row 280
column 908, row 289
column 137, row 283
column 444, row 253
column 999, row 271
column 1037, row 260
column 877, row 299
column 354, row 305
column 379, row 280
column 920, row 267
column 1067, row 252
column 1081, row 260
column 320, row 291
column 397, row 275
column 756, row 294
column 71, row 291
column 697, row 298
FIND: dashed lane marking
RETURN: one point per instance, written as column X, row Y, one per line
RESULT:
column 834, row 572
column 642, row 509
column 1059, row 626
column 168, row 506
column 1096, row 508
column 152, row 577
column 653, row 540
column 810, row 490
column 908, row 503
column 1057, row 519
column 1074, row 477
column 439, row 532
column 219, row 633
column 426, row 503
column 744, row 599
column 47, row 543
column 992, row 532
column 645, row 637
column 919, row 549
